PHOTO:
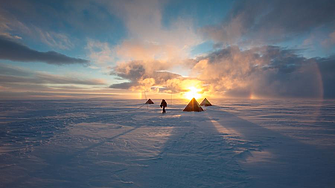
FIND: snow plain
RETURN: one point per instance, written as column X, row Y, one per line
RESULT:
column 123, row 143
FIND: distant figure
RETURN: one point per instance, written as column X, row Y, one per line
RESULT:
column 163, row 104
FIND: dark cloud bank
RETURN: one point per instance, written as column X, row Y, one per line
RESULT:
column 272, row 21
column 10, row 50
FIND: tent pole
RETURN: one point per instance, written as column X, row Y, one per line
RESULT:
column 146, row 99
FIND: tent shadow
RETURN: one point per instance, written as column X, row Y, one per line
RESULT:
column 195, row 155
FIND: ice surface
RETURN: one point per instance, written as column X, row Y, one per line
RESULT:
column 113, row 143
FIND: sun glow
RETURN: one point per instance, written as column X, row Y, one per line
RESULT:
column 192, row 93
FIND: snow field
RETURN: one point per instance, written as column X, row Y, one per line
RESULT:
column 104, row 143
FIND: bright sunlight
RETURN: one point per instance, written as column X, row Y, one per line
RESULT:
column 192, row 93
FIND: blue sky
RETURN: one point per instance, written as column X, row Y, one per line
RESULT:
column 121, row 48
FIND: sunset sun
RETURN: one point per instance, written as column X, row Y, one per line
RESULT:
column 192, row 93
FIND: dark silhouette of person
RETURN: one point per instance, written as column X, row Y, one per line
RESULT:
column 164, row 105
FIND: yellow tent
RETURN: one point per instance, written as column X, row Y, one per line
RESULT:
column 149, row 102
column 193, row 105
column 205, row 102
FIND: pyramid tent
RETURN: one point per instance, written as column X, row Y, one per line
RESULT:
column 193, row 105
column 149, row 102
column 205, row 102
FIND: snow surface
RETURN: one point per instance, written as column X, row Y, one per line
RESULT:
column 113, row 143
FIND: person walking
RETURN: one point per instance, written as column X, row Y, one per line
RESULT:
column 163, row 105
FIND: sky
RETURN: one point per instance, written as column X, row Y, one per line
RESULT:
column 158, row 48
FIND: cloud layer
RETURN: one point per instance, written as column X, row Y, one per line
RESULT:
column 16, row 75
column 268, row 71
column 148, row 38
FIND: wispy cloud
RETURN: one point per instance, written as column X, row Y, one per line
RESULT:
column 9, row 24
column 55, row 40
column 12, row 28
column 101, row 53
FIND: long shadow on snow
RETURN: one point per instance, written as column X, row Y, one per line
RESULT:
column 289, row 163
column 198, row 154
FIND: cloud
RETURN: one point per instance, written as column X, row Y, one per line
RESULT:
column 268, row 71
column 101, row 53
column 10, row 50
column 263, row 71
column 57, row 79
column 124, row 85
column 148, row 38
column 55, row 40
column 152, row 77
column 15, row 75
column 144, row 59
column 11, row 27
column 142, row 75
column 271, row 21
column 9, row 23
column 22, row 83
column 13, row 70
column 154, row 48
column 329, row 40
column 44, row 78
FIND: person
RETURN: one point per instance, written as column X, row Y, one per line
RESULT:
column 164, row 105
